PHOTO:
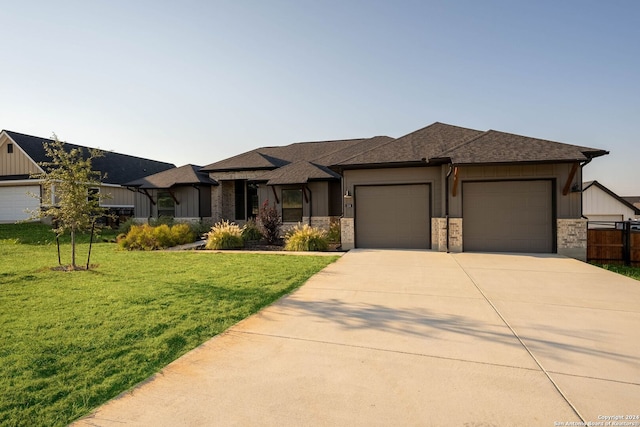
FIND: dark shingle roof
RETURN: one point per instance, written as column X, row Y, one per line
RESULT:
column 184, row 175
column 500, row 147
column 119, row 168
column 436, row 143
column 425, row 143
column 275, row 157
column 442, row 142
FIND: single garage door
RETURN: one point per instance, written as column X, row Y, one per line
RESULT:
column 15, row 200
column 508, row 216
column 393, row 216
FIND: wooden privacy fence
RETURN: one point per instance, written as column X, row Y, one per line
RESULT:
column 614, row 243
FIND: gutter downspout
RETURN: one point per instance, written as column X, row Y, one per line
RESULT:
column 309, row 202
column 446, row 201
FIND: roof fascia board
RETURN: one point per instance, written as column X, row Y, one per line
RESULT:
column 525, row 162
column 10, row 183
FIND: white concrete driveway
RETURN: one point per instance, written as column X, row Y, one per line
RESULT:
column 423, row 338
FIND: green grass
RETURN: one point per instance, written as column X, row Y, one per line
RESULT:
column 633, row 272
column 69, row 341
column 35, row 233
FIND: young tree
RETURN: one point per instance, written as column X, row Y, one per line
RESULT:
column 66, row 195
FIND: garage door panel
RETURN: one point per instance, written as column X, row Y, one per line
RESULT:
column 393, row 216
column 14, row 201
column 508, row 216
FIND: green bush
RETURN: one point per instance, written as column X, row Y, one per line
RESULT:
column 225, row 235
column 125, row 227
column 182, row 234
column 139, row 237
column 200, row 228
column 162, row 236
column 306, row 238
column 251, row 231
column 162, row 220
column 333, row 236
column 147, row 238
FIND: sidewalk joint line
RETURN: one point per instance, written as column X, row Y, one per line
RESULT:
column 594, row 378
column 535, row 359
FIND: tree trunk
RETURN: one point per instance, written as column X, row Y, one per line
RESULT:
column 73, row 248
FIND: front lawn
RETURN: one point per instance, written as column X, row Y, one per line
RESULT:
column 69, row 341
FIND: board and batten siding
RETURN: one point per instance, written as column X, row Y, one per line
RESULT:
column 600, row 205
column 389, row 176
column 16, row 163
column 569, row 206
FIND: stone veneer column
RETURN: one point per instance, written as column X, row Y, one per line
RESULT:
column 455, row 234
column 347, row 233
column 572, row 238
column 439, row 234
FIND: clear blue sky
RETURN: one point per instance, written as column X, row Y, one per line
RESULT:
column 199, row 81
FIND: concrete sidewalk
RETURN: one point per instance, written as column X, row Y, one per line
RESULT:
column 413, row 338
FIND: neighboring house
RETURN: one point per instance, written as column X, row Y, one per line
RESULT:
column 182, row 193
column 21, row 156
column 601, row 204
column 634, row 200
column 442, row 187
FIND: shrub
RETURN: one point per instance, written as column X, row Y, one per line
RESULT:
column 225, row 235
column 139, row 237
column 125, row 227
column 162, row 220
column 162, row 236
column 182, row 234
column 333, row 236
column 251, row 231
column 306, row 238
column 148, row 238
column 270, row 222
column 200, row 228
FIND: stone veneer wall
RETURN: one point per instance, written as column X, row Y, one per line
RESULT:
column 572, row 238
column 347, row 233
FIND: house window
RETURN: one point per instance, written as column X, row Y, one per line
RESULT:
column 240, row 202
column 292, row 205
column 9, row 148
column 252, row 200
column 166, row 204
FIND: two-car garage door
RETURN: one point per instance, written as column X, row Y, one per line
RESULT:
column 508, row 216
column 393, row 216
column 498, row 216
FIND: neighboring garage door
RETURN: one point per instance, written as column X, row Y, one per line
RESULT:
column 508, row 216
column 393, row 216
column 14, row 201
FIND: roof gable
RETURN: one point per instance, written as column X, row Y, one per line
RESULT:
column 118, row 168
column 418, row 146
column 596, row 184
column 299, row 172
column 184, row 175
